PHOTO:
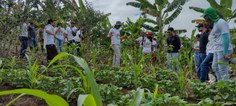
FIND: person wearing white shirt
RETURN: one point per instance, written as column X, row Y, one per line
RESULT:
column 60, row 36
column 154, row 49
column 50, row 45
column 141, row 39
column 114, row 34
column 222, row 46
column 196, row 52
column 23, row 39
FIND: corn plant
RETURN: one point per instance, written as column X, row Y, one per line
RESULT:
column 87, row 75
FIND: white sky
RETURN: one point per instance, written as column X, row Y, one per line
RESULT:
column 120, row 11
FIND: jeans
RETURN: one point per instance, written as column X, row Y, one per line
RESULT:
column 59, row 44
column 202, row 56
column 221, row 71
column 33, row 43
column 172, row 58
column 117, row 55
column 196, row 60
column 205, row 66
column 23, row 46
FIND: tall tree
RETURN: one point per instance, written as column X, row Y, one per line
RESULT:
column 163, row 11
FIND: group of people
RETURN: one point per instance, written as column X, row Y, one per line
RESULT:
column 50, row 37
column 212, row 46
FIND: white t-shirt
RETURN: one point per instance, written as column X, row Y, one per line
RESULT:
column 210, row 45
column 154, row 43
column 196, row 44
column 78, row 36
column 50, row 38
column 60, row 34
column 69, row 33
column 115, row 38
column 140, row 40
column 220, row 27
column 24, row 30
column 147, row 45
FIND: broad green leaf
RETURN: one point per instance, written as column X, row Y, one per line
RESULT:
column 155, row 92
column 86, row 100
column 226, row 3
column 52, row 100
column 138, row 97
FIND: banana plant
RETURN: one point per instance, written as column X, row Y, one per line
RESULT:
column 224, row 9
column 163, row 11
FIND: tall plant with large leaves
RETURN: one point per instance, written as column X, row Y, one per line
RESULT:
column 224, row 9
column 163, row 11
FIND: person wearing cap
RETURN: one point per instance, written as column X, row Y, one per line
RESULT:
column 50, row 45
column 173, row 44
column 222, row 45
column 114, row 34
column 202, row 45
column 147, row 44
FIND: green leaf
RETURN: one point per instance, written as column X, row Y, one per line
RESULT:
column 82, row 7
column 197, row 9
column 12, row 101
column 175, row 4
column 226, row 3
column 86, row 100
column 135, row 4
column 52, row 100
column 150, row 21
column 91, row 80
column 138, row 97
column 173, row 16
column 59, row 56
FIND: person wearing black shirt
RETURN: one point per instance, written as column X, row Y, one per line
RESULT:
column 32, row 36
column 202, row 45
column 173, row 44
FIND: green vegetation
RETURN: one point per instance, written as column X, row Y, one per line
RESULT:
column 90, row 79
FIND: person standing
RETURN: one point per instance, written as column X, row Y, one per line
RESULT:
column 32, row 36
column 23, row 39
column 173, row 44
column 50, row 45
column 60, row 36
column 114, row 34
column 141, row 39
column 41, row 36
column 69, row 33
column 196, row 52
column 222, row 45
column 78, row 38
column 147, row 44
column 206, row 64
column 202, row 45
column 154, row 49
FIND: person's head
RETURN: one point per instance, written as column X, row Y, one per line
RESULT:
column 210, row 15
column 206, row 27
column 50, row 21
column 118, row 25
column 171, row 31
column 142, row 33
column 200, row 27
column 198, row 37
column 59, row 24
column 72, row 24
column 148, row 34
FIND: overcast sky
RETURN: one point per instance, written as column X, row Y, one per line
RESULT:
column 120, row 11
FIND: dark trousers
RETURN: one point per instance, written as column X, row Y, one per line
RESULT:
column 23, row 46
column 51, row 51
column 205, row 67
column 202, row 56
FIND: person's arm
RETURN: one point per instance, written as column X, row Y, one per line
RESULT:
column 109, row 34
column 49, row 32
column 226, row 41
column 178, row 43
column 57, row 31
